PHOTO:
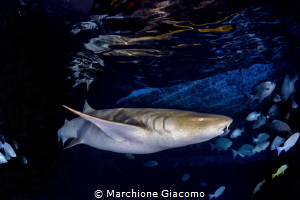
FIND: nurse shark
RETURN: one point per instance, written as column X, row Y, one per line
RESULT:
column 140, row 130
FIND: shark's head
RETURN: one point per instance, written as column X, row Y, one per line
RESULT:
column 195, row 127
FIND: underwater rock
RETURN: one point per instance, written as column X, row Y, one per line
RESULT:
column 209, row 95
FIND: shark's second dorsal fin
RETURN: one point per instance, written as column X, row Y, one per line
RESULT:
column 116, row 130
column 87, row 108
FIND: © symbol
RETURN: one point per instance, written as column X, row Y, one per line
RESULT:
column 98, row 194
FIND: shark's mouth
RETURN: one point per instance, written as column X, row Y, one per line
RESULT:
column 221, row 130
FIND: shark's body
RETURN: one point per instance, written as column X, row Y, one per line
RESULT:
column 141, row 130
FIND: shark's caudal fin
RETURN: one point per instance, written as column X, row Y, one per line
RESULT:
column 60, row 136
column 113, row 129
column 273, row 175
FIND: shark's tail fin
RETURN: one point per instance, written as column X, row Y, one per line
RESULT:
column 60, row 137
column 60, row 134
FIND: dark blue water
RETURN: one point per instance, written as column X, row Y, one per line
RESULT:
column 202, row 56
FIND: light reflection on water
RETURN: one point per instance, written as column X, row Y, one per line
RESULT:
column 161, row 45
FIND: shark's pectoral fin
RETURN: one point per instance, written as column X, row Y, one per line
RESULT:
column 116, row 130
column 74, row 142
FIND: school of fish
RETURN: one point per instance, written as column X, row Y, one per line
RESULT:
column 276, row 121
column 280, row 136
column 7, row 151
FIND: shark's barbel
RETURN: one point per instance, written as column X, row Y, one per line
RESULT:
column 140, row 130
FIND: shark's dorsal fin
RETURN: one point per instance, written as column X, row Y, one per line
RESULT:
column 66, row 121
column 116, row 130
column 87, row 108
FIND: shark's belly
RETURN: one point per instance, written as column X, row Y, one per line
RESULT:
column 99, row 139
column 106, row 143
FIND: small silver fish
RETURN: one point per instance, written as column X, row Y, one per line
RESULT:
column 262, row 120
column 289, row 143
column 276, row 98
column 281, row 127
column 287, row 116
column 245, row 150
column 277, row 142
column 151, row 163
column 204, row 184
column 9, row 150
column 252, row 116
column 288, row 86
column 222, row 144
column 2, row 138
column 261, row 146
column 237, row 132
column 292, row 102
column 275, row 111
column 217, row 193
column 280, row 170
column 130, row 156
column 7, row 156
column 225, row 133
column 258, row 186
column 262, row 91
column 185, row 177
column 15, row 144
column 261, row 138
column 2, row 158
column 24, row 160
